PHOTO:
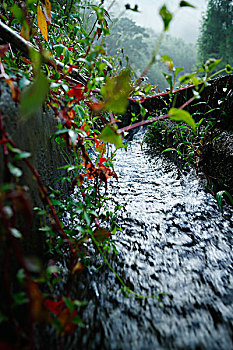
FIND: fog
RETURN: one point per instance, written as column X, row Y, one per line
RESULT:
column 186, row 21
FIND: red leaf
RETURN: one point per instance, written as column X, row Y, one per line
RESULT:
column 101, row 161
column 97, row 106
column 54, row 306
column 66, row 318
column 64, row 315
column 100, row 146
column 71, row 113
column 76, row 92
column 4, row 49
column 85, row 128
column 101, row 234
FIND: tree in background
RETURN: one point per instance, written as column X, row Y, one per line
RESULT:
column 138, row 44
column 217, row 32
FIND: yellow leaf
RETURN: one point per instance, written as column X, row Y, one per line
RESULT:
column 42, row 24
column 25, row 31
column 77, row 268
column 47, row 11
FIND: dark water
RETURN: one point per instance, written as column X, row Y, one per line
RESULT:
column 175, row 241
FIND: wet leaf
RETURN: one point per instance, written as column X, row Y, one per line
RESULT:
column 4, row 49
column 65, row 316
column 166, row 16
column 116, row 93
column 25, row 31
column 168, row 61
column 211, row 63
column 14, row 170
column 109, row 134
column 47, row 11
column 168, row 77
column 229, row 68
column 186, row 78
column 33, row 264
column 177, row 71
column 18, row 13
column 20, row 298
column 41, row 21
column 34, row 96
column 15, row 92
column 181, row 115
column 20, row 154
column 38, row 310
column 219, row 197
column 76, row 91
column 15, row 233
column 101, row 234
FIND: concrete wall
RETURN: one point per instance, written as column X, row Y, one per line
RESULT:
column 34, row 136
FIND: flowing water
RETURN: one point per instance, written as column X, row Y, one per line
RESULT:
column 174, row 241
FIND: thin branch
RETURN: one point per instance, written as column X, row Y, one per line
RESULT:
column 142, row 123
column 26, row 48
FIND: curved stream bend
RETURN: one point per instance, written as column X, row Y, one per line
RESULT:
column 174, row 240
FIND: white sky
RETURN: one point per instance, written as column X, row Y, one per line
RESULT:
column 185, row 24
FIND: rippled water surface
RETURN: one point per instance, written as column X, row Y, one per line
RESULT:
column 175, row 241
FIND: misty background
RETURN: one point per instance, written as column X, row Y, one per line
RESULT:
column 185, row 24
column 136, row 33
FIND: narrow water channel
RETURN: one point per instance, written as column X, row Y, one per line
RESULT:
column 175, row 241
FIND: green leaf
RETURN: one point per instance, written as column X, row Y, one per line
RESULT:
column 169, row 150
column 21, row 275
column 87, row 218
column 211, row 63
column 15, row 233
column 2, row 317
column 168, row 77
column 109, row 134
column 69, row 304
column 166, row 17
column 77, row 320
column 219, row 197
column 196, row 81
column 181, row 115
column 20, row 298
column 80, row 303
column 116, row 93
column 168, row 61
column 186, row 4
column 186, row 78
column 229, row 69
column 22, row 155
column 14, row 170
column 177, row 71
column 34, row 96
column 18, row 13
